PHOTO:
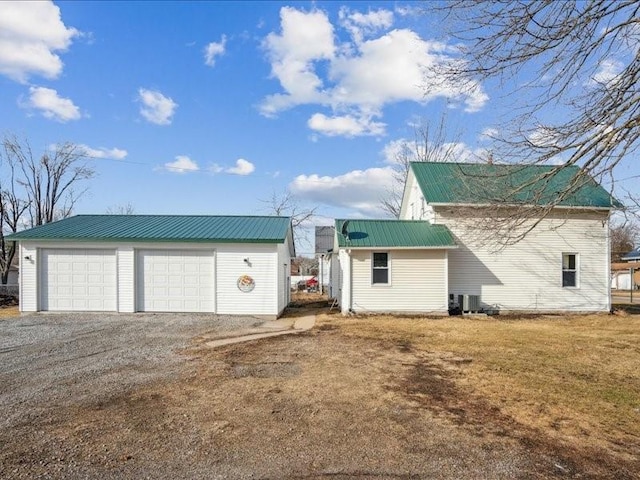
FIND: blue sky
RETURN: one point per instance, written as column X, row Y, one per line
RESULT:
column 209, row 108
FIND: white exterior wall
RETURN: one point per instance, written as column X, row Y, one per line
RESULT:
column 126, row 279
column 229, row 261
column 334, row 282
column 344, row 290
column 414, row 206
column 418, row 282
column 283, row 268
column 528, row 275
column 28, row 278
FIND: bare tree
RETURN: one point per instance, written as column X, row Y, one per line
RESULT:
column 430, row 144
column 39, row 188
column 624, row 236
column 576, row 70
column 12, row 209
column 285, row 204
column 121, row 209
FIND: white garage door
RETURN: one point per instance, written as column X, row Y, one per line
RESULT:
column 78, row 280
column 175, row 281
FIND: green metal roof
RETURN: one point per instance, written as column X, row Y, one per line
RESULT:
column 475, row 183
column 162, row 228
column 393, row 233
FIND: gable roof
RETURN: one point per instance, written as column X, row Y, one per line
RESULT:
column 162, row 228
column 485, row 184
column 393, row 234
column 632, row 255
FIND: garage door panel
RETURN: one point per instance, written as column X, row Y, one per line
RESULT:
column 78, row 280
column 175, row 281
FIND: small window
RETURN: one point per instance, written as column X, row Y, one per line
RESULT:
column 380, row 274
column 569, row 270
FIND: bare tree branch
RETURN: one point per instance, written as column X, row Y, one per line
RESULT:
column 431, row 143
column 286, row 205
column 40, row 188
column 576, row 100
column 122, row 209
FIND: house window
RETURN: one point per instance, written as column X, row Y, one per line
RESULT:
column 380, row 271
column 569, row 270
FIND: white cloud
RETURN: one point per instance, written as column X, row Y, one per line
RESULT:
column 346, row 125
column 357, row 79
column 213, row 50
column 215, row 168
column 306, row 38
column 243, row 167
column 365, row 24
column 51, row 105
column 488, row 133
column 102, row 152
column 30, row 35
column 445, row 152
column 608, row 69
column 182, row 164
column 359, row 190
column 396, row 149
column 156, row 108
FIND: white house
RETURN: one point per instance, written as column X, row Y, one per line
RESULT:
column 393, row 265
column 157, row 263
column 563, row 264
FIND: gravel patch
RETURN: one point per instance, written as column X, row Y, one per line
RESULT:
column 49, row 360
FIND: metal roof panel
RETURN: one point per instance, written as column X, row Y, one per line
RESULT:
column 486, row 184
column 393, row 233
column 162, row 228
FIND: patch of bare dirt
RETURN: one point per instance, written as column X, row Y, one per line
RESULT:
column 432, row 383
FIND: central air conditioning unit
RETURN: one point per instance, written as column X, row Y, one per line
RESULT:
column 469, row 303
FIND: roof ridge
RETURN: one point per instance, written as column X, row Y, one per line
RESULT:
column 195, row 215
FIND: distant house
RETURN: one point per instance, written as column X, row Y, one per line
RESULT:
column 157, row 263
column 632, row 256
column 432, row 259
column 621, row 278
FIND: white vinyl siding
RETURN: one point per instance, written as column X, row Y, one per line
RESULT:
column 126, row 280
column 262, row 267
column 78, row 280
column 175, row 281
column 229, row 266
column 527, row 276
column 28, row 278
column 283, row 267
column 417, row 282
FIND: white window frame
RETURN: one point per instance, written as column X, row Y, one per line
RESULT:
column 576, row 270
column 387, row 268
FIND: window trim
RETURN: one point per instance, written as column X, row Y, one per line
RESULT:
column 575, row 270
column 387, row 268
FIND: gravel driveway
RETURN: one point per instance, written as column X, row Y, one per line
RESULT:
column 49, row 360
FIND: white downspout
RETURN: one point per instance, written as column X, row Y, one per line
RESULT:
column 346, row 282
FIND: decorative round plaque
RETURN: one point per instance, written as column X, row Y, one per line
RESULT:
column 246, row 283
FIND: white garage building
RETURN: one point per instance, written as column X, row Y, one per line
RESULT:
column 157, row 263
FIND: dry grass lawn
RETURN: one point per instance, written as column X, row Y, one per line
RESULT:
column 572, row 378
column 9, row 312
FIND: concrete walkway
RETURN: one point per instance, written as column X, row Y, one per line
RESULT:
column 274, row 328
